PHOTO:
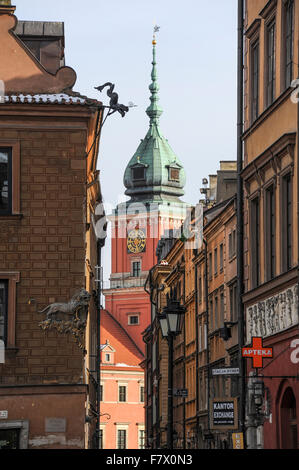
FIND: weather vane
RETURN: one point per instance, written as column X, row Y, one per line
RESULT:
column 156, row 30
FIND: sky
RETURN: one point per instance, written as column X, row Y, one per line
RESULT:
column 111, row 41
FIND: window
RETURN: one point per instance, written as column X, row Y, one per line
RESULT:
column 5, row 181
column 121, row 438
column 141, row 439
column 289, row 41
column 174, row 174
column 107, row 357
column 270, row 233
column 255, row 242
column 215, row 261
column 221, row 258
column 210, row 266
column 270, row 75
column 101, row 445
column 255, row 57
column 101, row 392
column 216, row 313
column 122, row 393
column 142, row 394
column 200, row 290
column 133, row 320
column 138, row 173
column 136, row 268
column 211, row 315
column 287, row 222
column 8, row 294
column 10, row 178
column 221, row 309
column 232, row 244
column 233, row 302
column 3, row 310
column 205, row 336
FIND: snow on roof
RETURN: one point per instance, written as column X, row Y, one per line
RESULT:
column 56, row 98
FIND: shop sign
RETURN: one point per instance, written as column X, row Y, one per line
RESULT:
column 238, row 440
column 224, row 413
column 257, row 352
column 4, row 414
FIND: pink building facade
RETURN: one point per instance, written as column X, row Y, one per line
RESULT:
column 122, row 388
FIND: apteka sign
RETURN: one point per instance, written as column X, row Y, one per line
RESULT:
column 257, row 352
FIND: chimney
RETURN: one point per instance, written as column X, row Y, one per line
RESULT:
column 6, row 7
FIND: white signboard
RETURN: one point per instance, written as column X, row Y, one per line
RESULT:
column 226, row 371
column 3, row 414
column 272, row 315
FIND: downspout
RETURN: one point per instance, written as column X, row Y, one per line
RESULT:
column 298, row 174
column 98, row 357
column 207, row 336
column 197, row 353
column 184, row 386
column 240, row 218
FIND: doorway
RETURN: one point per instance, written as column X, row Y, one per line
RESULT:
column 288, row 417
column 9, row 438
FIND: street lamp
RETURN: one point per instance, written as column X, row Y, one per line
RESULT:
column 171, row 323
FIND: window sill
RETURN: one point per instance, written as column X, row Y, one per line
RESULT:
column 11, row 350
column 11, row 217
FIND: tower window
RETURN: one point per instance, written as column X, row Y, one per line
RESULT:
column 136, row 268
column 133, row 320
column 138, row 173
column 174, row 174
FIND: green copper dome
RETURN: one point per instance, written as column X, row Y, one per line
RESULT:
column 154, row 173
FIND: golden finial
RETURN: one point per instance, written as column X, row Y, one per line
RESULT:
column 6, row 3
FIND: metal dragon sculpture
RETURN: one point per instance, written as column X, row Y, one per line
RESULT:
column 114, row 105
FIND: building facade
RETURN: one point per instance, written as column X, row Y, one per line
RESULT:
column 270, row 177
column 209, row 339
column 49, row 189
column 122, row 388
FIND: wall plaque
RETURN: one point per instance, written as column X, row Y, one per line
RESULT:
column 55, row 425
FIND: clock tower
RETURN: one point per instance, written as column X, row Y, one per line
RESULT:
column 154, row 181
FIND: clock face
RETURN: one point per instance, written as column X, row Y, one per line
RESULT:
column 136, row 241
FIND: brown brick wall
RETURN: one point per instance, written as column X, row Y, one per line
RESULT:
column 47, row 247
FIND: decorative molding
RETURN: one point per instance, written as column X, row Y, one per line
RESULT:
column 268, row 9
column 272, row 315
column 253, row 28
column 282, row 146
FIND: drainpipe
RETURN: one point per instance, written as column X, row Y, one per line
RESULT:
column 184, row 381
column 298, row 176
column 207, row 335
column 240, row 218
column 197, row 353
column 98, row 357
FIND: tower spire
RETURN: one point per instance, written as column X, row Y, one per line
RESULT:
column 154, row 111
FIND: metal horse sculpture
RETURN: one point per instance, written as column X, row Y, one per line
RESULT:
column 70, row 317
